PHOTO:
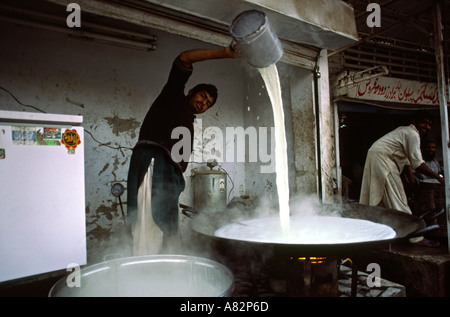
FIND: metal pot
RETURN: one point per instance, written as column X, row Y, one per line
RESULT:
column 405, row 225
column 151, row 276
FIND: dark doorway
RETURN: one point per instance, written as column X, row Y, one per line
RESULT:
column 360, row 125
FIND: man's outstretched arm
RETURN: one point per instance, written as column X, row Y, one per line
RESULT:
column 197, row 55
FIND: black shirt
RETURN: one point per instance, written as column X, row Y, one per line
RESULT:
column 169, row 111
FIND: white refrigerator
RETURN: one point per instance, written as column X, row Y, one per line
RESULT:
column 42, row 198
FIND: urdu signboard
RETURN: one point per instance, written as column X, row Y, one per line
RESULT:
column 393, row 90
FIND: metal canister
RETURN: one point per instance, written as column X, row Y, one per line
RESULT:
column 257, row 41
column 210, row 190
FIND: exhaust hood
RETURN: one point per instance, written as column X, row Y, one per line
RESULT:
column 303, row 26
column 328, row 24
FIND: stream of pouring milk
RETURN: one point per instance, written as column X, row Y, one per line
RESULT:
column 272, row 81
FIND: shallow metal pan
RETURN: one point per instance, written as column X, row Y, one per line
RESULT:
column 405, row 226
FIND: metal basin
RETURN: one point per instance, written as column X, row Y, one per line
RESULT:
column 403, row 224
column 151, row 276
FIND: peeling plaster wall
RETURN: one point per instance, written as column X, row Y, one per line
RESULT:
column 111, row 88
column 304, row 132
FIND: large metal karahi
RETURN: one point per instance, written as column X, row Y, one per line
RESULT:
column 405, row 226
column 304, row 274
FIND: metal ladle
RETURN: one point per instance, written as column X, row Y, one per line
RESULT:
column 117, row 190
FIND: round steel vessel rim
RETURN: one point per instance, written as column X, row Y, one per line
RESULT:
column 144, row 259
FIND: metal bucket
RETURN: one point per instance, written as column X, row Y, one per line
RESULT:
column 253, row 34
column 151, row 276
column 210, row 190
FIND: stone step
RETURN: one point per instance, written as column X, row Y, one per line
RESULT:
column 424, row 271
column 385, row 289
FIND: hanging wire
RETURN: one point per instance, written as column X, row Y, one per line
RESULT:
column 18, row 101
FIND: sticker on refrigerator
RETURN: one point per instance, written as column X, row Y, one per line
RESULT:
column 71, row 140
column 23, row 135
column 48, row 136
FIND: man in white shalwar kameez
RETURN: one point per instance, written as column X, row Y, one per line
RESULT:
column 386, row 159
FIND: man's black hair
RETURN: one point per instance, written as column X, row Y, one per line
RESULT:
column 210, row 88
column 419, row 116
